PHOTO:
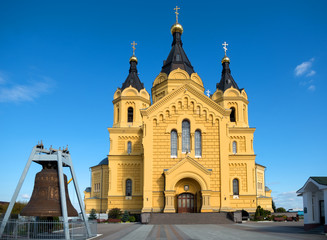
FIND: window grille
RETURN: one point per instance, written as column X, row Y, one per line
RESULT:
column 233, row 115
column 185, row 136
column 235, row 187
column 234, row 147
column 173, row 143
column 128, row 187
column 130, row 114
column 198, row 143
column 129, row 147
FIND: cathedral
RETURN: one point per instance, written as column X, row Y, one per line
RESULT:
column 179, row 150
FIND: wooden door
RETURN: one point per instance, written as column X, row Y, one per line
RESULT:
column 186, row 203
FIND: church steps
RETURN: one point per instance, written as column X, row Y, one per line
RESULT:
column 189, row 218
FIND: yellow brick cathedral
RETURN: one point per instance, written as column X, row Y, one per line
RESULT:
column 185, row 151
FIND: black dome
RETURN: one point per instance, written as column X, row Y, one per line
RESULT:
column 103, row 162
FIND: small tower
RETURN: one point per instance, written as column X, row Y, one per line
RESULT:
column 230, row 96
column 130, row 98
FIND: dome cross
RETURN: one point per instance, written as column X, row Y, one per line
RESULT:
column 176, row 12
column 225, row 47
column 134, row 44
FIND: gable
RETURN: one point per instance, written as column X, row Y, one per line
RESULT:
column 188, row 168
column 187, row 98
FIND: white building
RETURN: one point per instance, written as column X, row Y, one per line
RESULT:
column 314, row 194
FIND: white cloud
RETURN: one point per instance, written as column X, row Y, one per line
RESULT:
column 312, row 88
column 304, row 67
column 25, row 92
column 25, row 196
column 311, row 73
column 288, row 200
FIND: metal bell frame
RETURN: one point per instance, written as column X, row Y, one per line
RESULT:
column 63, row 159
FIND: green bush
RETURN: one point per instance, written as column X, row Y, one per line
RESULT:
column 93, row 214
column 115, row 213
column 131, row 219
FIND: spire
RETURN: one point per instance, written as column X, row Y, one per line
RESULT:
column 226, row 81
column 177, row 57
column 133, row 78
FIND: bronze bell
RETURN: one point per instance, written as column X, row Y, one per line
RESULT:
column 45, row 200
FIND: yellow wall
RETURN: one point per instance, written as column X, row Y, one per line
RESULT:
column 157, row 177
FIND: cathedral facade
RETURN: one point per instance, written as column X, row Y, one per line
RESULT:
column 183, row 151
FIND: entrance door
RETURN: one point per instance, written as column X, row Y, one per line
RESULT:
column 322, row 211
column 186, row 203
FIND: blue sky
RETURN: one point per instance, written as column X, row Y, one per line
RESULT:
column 61, row 62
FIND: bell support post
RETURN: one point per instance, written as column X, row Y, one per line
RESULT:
column 63, row 159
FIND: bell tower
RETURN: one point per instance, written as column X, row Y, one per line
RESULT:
column 230, row 96
column 130, row 98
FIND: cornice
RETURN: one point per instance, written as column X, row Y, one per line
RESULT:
column 237, row 130
column 232, row 98
column 131, row 98
column 243, row 157
column 126, row 130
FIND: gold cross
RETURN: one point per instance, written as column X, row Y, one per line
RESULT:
column 133, row 44
column 176, row 12
column 225, row 47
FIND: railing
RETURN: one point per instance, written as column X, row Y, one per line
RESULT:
column 18, row 229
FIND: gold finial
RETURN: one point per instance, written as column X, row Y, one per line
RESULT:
column 133, row 58
column 225, row 59
column 176, row 12
column 176, row 27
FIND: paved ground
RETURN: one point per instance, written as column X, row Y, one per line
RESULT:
column 247, row 231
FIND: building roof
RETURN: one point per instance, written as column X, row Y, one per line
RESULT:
column 313, row 184
column 177, row 57
column 103, row 162
column 260, row 165
column 320, row 180
column 133, row 78
column 226, row 81
column 88, row 189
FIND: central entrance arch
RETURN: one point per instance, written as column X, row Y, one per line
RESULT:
column 188, row 196
column 185, row 203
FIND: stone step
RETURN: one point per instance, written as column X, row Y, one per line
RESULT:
column 189, row 218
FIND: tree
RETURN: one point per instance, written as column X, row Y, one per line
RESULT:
column 261, row 214
column 280, row 210
column 125, row 216
column 273, row 206
column 93, row 214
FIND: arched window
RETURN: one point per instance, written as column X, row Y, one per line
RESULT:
column 129, row 147
column 128, row 187
column 185, row 136
column 235, row 187
column 130, row 114
column 173, row 143
column 117, row 114
column 198, row 143
column 232, row 115
column 234, row 147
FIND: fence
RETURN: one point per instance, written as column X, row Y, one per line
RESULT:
column 18, row 229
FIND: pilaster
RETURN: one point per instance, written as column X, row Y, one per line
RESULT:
column 170, row 201
column 206, row 206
